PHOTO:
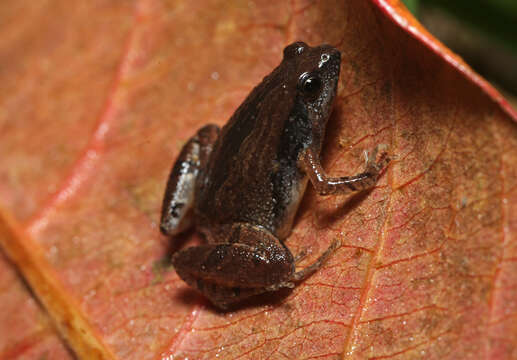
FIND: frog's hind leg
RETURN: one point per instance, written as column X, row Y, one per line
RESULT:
column 251, row 257
column 248, row 263
column 179, row 194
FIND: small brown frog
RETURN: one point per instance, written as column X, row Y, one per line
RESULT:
column 241, row 185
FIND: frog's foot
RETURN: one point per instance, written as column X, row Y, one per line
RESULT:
column 372, row 165
column 303, row 274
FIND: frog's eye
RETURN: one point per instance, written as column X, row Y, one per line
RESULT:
column 310, row 84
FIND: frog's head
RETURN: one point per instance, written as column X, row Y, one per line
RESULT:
column 316, row 72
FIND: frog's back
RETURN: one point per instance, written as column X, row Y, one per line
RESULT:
column 241, row 182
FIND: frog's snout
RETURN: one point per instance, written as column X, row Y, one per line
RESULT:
column 330, row 53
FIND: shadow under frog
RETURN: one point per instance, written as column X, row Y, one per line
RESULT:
column 241, row 185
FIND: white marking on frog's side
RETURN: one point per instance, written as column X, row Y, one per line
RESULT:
column 296, row 197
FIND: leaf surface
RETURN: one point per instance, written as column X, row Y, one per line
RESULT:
column 25, row 328
column 96, row 106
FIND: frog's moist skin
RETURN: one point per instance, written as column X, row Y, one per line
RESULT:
column 241, row 185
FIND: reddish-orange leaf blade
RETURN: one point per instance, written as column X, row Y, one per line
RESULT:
column 26, row 330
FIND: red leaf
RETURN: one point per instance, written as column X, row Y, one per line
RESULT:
column 97, row 98
column 26, row 332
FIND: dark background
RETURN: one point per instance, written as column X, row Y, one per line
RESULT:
column 483, row 32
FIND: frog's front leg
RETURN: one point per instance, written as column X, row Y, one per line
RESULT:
column 179, row 193
column 325, row 185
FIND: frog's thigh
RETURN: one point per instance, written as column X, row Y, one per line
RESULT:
column 179, row 195
column 253, row 258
